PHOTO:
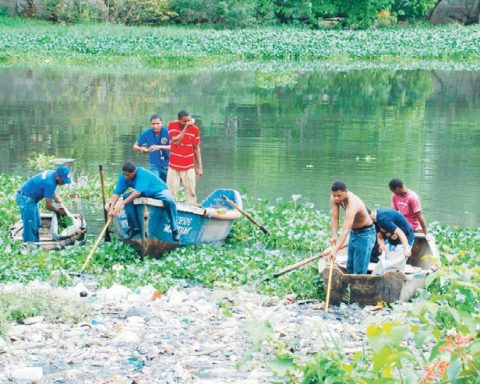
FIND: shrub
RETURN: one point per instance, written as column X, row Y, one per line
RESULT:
column 411, row 10
column 139, row 11
column 229, row 13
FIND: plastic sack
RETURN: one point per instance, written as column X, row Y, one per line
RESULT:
column 67, row 232
column 392, row 259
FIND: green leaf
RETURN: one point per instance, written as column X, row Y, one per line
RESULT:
column 453, row 369
column 281, row 365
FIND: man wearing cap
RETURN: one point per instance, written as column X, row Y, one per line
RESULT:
column 144, row 184
column 40, row 186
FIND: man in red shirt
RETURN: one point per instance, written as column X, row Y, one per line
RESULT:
column 185, row 165
column 408, row 204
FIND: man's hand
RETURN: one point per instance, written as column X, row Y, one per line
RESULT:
column 199, row 172
column 117, row 209
column 61, row 212
column 154, row 148
column 333, row 240
column 408, row 252
column 381, row 247
column 58, row 200
column 329, row 254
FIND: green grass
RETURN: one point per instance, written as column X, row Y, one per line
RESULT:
column 39, row 44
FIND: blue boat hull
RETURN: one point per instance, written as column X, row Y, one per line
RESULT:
column 209, row 223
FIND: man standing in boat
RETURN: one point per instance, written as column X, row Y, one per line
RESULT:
column 156, row 142
column 42, row 185
column 357, row 223
column 185, row 165
column 408, row 204
column 394, row 231
column 144, row 184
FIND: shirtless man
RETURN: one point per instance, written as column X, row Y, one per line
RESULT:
column 357, row 223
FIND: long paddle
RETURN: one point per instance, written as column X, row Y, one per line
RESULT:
column 90, row 254
column 292, row 267
column 264, row 230
column 329, row 287
column 105, row 214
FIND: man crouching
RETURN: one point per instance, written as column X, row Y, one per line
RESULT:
column 144, row 184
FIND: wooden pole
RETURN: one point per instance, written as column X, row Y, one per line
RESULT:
column 292, row 267
column 102, row 232
column 329, row 287
column 263, row 229
column 105, row 213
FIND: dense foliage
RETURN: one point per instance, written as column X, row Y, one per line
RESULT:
column 231, row 13
column 30, row 44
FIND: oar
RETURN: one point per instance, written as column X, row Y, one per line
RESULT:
column 292, row 267
column 329, row 286
column 105, row 214
column 264, row 230
column 102, row 232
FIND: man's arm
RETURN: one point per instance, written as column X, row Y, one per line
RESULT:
column 179, row 137
column 381, row 242
column 198, row 160
column 139, row 149
column 154, row 148
column 116, row 205
column 49, row 205
column 404, row 240
column 346, row 228
column 421, row 220
column 335, row 212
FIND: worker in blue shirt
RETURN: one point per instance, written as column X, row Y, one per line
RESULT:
column 42, row 185
column 393, row 230
column 144, row 184
column 156, row 142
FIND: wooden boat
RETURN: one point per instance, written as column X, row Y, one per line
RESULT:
column 211, row 222
column 391, row 286
column 46, row 240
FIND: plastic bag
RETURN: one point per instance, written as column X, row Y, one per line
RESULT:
column 67, row 232
column 392, row 259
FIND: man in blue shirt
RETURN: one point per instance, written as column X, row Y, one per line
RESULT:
column 156, row 142
column 393, row 230
column 144, row 184
column 40, row 186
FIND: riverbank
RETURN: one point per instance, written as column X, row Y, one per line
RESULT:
column 204, row 316
column 35, row 44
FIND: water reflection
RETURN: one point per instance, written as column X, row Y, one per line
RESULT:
column 267, row 134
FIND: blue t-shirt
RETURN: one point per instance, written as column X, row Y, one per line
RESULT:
column 144, row 182
column 158, row 158
column 41, row 185
column 388, row 220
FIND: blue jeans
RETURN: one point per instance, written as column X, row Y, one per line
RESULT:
column 30, row 217
column 168, row 202
column 159, row 171
column 360, row 247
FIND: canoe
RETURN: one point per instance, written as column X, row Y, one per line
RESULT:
column 46, row 240
column 211, row 223
column 391, row 286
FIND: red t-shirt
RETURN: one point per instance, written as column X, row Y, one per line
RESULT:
column 181, row 154
column 408, row 206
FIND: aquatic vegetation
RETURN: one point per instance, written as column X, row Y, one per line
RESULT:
column 147, row 47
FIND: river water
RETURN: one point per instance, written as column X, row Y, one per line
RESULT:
column 267, row 134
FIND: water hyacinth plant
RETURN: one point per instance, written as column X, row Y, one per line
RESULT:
column 150, row 47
